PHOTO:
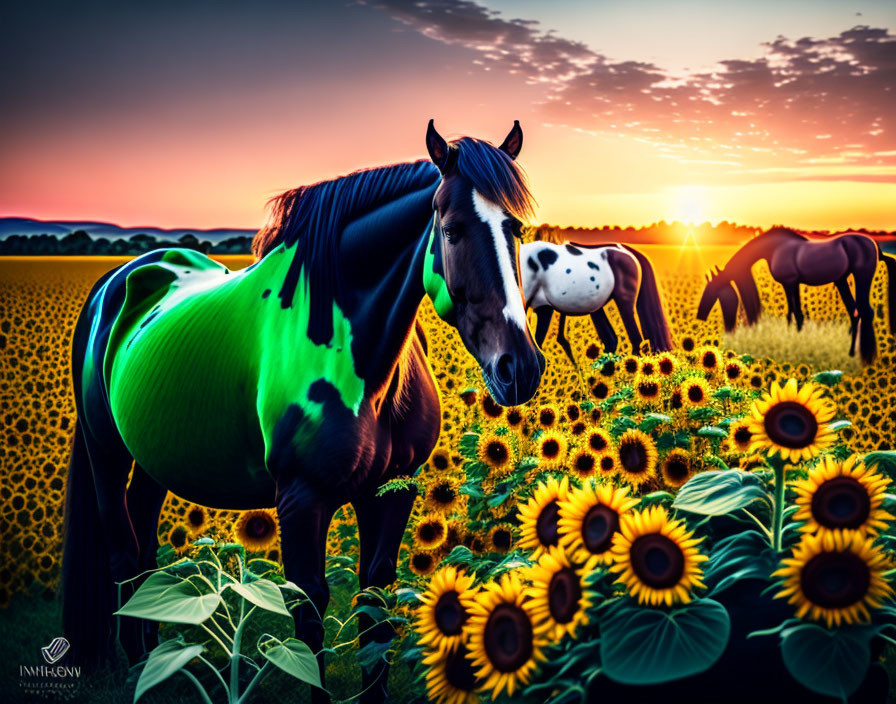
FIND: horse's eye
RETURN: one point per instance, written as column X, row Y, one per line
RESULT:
column 452, row 234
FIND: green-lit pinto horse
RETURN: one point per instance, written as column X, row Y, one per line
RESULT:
column 299, row 383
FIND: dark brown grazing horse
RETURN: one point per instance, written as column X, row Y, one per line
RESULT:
column 794, row 259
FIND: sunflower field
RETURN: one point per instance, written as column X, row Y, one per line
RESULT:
column 648, row 523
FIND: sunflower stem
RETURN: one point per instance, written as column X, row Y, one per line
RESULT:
column 778, row 515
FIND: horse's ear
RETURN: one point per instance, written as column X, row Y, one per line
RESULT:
column 513, row 143
column 437, row 147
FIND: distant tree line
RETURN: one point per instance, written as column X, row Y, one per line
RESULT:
column 80, row 243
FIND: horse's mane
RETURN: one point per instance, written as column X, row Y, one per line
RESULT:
column 312, row 217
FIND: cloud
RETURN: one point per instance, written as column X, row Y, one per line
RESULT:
column 804, row 99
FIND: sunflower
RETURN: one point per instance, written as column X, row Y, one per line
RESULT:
column 422, row 563
column 607, row 462
column 514, row 417
column 490, row 407
column 500, row 538
column 789, row 421
column 647, row 388
column 666, row 364
column 497, row 451
column 547, row 416
column 599, row 440
column 583, row 462
column 444, row 609
column 559, row 596
column 440, row 459
column 504, row 645
column 694, row 391
column 657, row 557
column 739, row 434
column 592, row 352
column 630, row 364
column 688, row 344
column 538, row 518
column 256, row 530
column 443, row 495
column 430, row 532
column 601, row 390
column 588, row 520
column 608, row 368
column 178, row 536
column 647, row 367
column 835, row 577
column 637, row 457
column 573, row 412
column 708, row 359
column 454, row 535
column 578, row 429
column 842, row 495
column 676, row 468
column 734, row 371
column 468, row 396
column 552, row 448
column 451, row 678
column 196, row 520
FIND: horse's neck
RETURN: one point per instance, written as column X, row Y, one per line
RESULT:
column 758, row 248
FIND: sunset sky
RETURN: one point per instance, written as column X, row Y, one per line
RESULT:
column 195, row 113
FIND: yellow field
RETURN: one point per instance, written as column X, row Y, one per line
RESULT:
column 40, row 299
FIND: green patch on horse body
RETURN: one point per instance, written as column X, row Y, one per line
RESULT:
column 434, row 282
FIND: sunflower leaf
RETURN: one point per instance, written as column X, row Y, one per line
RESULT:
column 164, row 597
column 883, row 460
column 711, row 431
column 829, row 378
column 264, row 594
column 642, row 646
column 165, row 660
column 292, row 656
column 716, row 493
column 830, row 662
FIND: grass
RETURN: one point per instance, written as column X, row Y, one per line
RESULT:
column 821, row 344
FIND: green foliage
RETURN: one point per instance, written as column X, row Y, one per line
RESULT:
column 716, row 493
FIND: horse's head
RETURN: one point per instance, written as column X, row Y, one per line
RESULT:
column 472, row 263
column 719, row 287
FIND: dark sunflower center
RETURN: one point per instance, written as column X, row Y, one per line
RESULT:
column 608, row 368
column 547, row 524
column 196, row 517
column 666, row 366
column 742, row 435
column 835, row 580
column 422, row 561
column 440, row 462
column 550, row 448
column 564, row 594
column 459, row 671
column 677, row 469
column 657, row 561
column 695, row 393
column 502, row 539
column 598, row 527
column 491, row 408
column 585, row 463
column 841, row 502
column 430, row 532
column 597, row 442
column 450, row 616
column 733, row 371
column 547, row 417
column 709, row 360
column 572, row 412
column 508, row 638
column 578, row 428
column 606, row 463
column 633, row 457
column 496, row 451
column 648, row 389
column 443, row 494
column 600, row 390
column 631, row 365
column 258, row 527
column 790, row 424
column 514, row 417
column 687, row 344
column 178, row 537
column 647, row 369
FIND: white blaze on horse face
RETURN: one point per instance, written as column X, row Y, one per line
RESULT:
column 493, row 216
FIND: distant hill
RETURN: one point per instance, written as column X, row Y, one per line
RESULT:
column 30, row 226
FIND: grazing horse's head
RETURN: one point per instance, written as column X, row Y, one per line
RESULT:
column 719, row 287
column 472, row 266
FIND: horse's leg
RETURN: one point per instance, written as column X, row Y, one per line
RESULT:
column 111, row 464
column 798, row 307
column 842, row 285
column 562, row 341
column 304, row 516
column 543, row 315
column 788, row 296
column 626, row 306
column 867, row 340
column 605, row 330
column 145, row 497
column 381, row 524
